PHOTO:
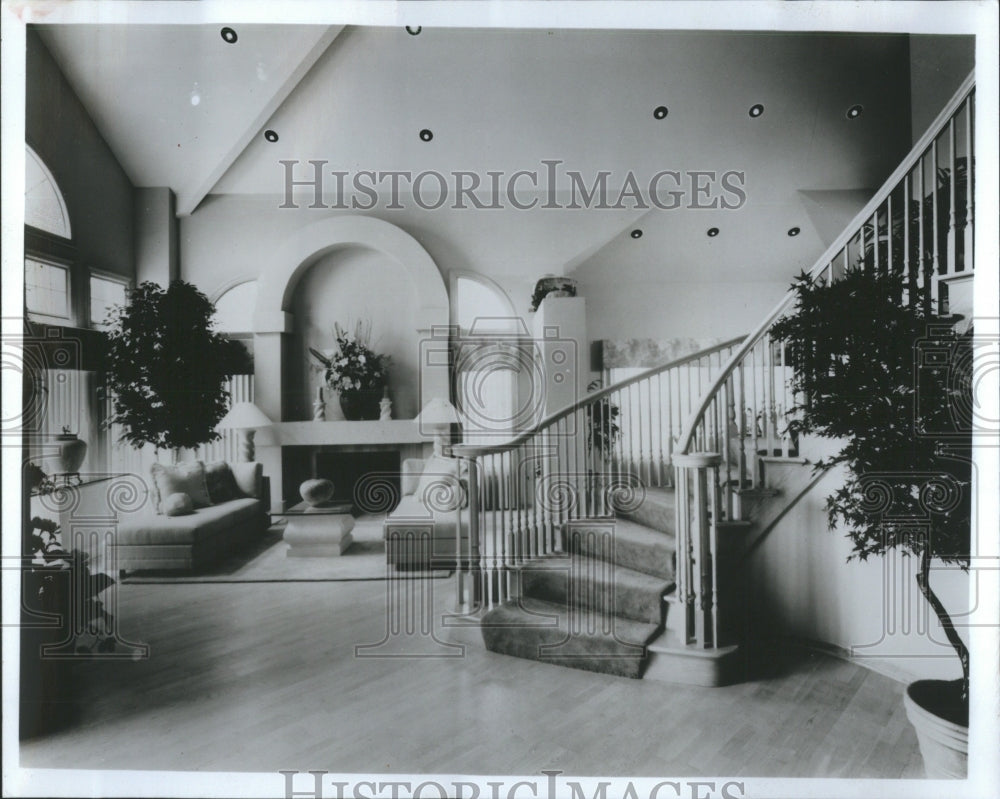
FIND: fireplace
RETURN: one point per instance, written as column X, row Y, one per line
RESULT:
column 345, row 469
column 345, row 452
column 344, row 466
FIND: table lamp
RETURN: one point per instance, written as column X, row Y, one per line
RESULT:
column 247, row 418
column 437, row 417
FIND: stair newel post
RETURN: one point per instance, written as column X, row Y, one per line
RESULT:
column 713, row 546
column 697, row 506
column 475, row 565
column 682, row 553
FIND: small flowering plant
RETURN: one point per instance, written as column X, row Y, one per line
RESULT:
column 353, row 366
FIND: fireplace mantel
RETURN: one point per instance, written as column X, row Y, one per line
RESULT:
column 393, row 431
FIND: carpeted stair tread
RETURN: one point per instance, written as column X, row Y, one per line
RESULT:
column 596, row 585
column 656, row 510
column 546, row 631
column 637, row 547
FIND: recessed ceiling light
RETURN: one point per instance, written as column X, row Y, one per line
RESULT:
column 855, row 111
column 228, row 35
column 195, row 94
column 414, row 30
column 794, row 231
column 271, row 136
column 713, row 232
column 636, row 234
column 660, row 112
column 756, row 111
column 426, row 135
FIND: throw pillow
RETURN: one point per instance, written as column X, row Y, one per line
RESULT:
column 220, row 482
column 247, row 477
column 177, row 505
column 440, row 488
column 181, row 478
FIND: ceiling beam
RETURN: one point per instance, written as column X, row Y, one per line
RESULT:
column 189, row 200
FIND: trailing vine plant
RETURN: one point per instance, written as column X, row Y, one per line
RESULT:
column 894, row 385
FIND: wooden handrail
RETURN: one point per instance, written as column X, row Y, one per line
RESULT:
column 892, row 182
column 476, row 450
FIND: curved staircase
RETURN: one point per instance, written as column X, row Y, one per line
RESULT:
column 597, row 602
column 609, row 537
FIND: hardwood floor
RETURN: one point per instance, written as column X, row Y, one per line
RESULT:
column 264, row 677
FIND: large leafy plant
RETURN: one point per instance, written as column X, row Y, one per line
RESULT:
column 857, row 353
column 167, row 367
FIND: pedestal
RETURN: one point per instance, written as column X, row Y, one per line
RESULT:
column 319, row 535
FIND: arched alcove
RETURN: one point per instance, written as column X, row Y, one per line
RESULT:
column 347, row 286
column 426, row 303
column 277, row 284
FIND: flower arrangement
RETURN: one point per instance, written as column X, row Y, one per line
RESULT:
column 354, row 366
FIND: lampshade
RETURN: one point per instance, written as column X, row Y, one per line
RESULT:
column 244, row 416
column 437, row 412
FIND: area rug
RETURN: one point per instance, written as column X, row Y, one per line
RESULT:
column 266, row 561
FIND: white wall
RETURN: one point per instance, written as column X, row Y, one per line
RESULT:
column 938, row 65
column 625, row 309
column 800, row 584
column 345, row 287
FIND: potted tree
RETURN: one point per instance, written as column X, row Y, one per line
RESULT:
column 907, row 451
column 167, row 367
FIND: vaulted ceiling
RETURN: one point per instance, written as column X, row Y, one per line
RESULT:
column 505, row 100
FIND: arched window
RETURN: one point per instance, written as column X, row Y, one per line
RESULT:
column 487, row 359
column 235, row 307
column 48, row 251
column 44, row 206
column 479, row 305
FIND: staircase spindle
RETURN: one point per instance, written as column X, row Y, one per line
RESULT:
column 949, row 265
column 755, row 416
column 969, row 194
column 642, row 442
column 876, row 263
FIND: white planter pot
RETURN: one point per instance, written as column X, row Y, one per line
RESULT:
column 944, row 745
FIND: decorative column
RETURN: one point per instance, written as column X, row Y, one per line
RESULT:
column 269, row 345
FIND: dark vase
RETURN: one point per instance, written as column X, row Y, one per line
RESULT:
column 72, row 451
column 360, row 405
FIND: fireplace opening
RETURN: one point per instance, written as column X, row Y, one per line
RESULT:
column 346, row 469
